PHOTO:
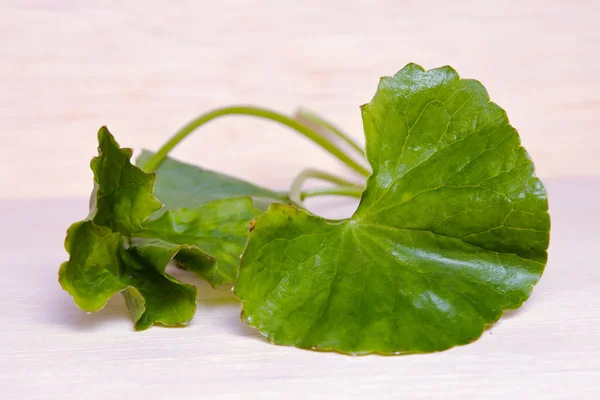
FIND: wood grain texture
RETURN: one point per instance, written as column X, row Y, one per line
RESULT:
column 146, row 67
column 548, row 349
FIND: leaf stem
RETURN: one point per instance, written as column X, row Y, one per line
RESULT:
column 337, row 191
column 154, row 162
column 302, row 114
column 296, row 194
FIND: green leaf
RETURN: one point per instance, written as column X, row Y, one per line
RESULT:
column 104, row 259
column 451, row 230
column 153, row 296
column 123, row 192
column 91, row 274
column 181, row 185
column 219, row 228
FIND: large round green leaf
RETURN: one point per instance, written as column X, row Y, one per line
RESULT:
column 451, row 230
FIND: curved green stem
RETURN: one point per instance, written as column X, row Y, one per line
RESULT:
column 296, row 194
column 337, row 191
column 302, row 114
column 154, row 162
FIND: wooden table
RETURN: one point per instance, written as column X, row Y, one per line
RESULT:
column 548, row 349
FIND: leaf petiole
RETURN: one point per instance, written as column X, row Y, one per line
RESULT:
column 296, row 194
column 302, row 115
column 336, row 191
column 154, row 162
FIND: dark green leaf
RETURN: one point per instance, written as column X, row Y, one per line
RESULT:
column 451, row 230
column 181, row 185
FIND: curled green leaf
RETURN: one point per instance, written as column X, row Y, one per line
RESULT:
column 91, row 274
column 152, row 295
column 452, row 229
column 103, row 257
column 124, row 245
column 123, row 193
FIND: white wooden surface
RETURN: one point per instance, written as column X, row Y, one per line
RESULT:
column 49, row 349
column 146, row 67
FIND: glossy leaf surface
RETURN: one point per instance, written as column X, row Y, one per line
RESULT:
column 451, row 230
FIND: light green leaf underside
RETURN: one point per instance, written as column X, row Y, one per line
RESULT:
column 181, row 185
column 451, row 230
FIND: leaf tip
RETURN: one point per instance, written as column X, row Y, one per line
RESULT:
column 104, row 135
column 410, row 68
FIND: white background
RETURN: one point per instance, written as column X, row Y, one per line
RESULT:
column 144, row 68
